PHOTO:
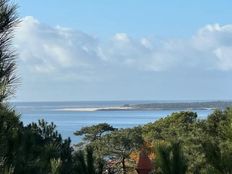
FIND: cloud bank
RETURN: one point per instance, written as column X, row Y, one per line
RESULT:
column 47, row 49
column 52, row 54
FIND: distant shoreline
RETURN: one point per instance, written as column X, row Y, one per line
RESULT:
column 185, row 105
column 212, row 105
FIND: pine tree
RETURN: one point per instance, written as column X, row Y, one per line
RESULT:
column 8, row 21
column 170, row 159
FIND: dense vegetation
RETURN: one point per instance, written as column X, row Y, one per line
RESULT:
column 177, row 144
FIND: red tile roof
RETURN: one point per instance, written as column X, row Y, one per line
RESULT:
column 144, row 163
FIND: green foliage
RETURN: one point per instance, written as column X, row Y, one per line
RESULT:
column 42, row 144
column 111, row 143
column 10, row 129
column 8, row 21
column 171, row 127
column 220, row 158
column 123, row 142
column 38, row 148
column 95, row 132
column 30, row 149
column 8, row 170
column 119, row 145
column 170, row 159
column 197, row 138
column 86, row 163
column 55, row 166
column 217, row 145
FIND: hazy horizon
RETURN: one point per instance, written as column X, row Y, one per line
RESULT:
column 147, row 101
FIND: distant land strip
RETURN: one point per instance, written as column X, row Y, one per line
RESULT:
column 212, row 105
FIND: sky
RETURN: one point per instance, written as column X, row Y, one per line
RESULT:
column 124, row 50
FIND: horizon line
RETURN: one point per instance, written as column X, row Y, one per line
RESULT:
column 126, row 100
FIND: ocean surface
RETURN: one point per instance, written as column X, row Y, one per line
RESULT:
column 71, row 116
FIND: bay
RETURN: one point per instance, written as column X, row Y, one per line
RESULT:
column 72, row 116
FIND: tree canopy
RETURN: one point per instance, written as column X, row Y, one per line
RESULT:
column 92, row 133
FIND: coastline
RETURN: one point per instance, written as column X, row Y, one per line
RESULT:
column 189, row 106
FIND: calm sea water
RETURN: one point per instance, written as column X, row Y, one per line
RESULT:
column 71, row 116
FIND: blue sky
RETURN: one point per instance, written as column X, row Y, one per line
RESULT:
column 124, row 50
column 104, row 18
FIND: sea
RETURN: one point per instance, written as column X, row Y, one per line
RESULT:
column 72, row 116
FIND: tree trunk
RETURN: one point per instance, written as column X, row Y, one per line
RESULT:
column 123, row 165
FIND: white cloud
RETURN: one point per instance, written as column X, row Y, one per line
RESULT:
column 56, row 50
column 47, row 49
column 200, row 52
column 121, row 37
column 146, row 43
column 224, row 55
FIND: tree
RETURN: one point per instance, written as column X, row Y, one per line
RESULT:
column 10, row 128
column 86, row 163
column 219, row 158
column 8, row 22
column 41, row 143
column 95, row 132
column 183, row 127
column 55, row 166
column 170, row 127
column 218, row 143
column 9, row 121
column 170, row 159
column 120, row 144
